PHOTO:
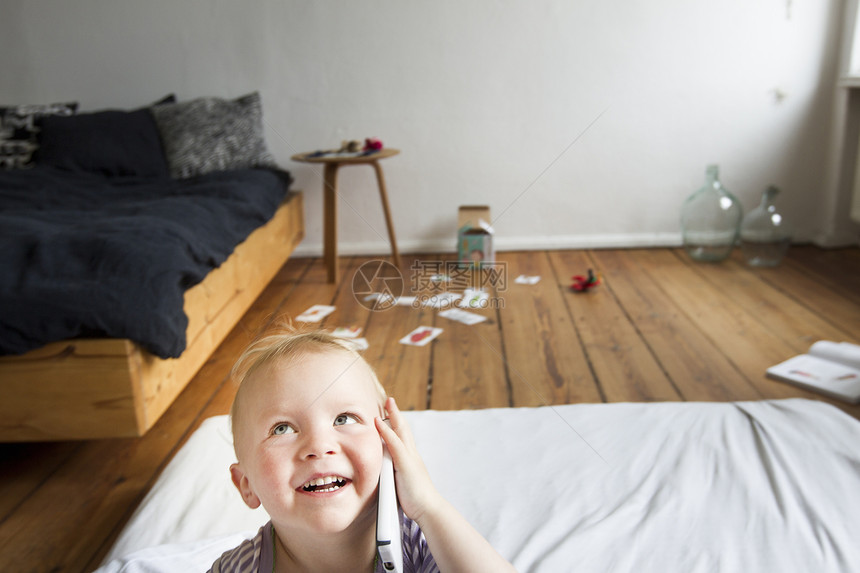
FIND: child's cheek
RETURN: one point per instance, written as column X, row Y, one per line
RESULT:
column 373, row 459
column 275, row 472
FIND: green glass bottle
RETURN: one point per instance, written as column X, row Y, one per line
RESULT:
column 710, row 220
column 765, row 236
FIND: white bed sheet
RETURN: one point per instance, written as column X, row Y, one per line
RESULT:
column 665, row 487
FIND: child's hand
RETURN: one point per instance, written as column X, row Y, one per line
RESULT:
column 455, row 545
column 415, row 490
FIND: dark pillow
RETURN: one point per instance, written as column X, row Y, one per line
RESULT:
column 212, row 134
column 19, row 128
column 169, row 98
column 113, row 143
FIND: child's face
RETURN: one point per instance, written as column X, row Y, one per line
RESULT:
column 307, row 445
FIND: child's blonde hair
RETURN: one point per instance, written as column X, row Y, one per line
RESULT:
column 289, row 344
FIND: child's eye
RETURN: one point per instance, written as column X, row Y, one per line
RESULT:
column 344, row 419
column 281, row 429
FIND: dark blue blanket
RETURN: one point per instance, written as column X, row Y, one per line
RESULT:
column 87, row 256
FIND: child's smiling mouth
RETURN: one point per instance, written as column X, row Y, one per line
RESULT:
column 325, row 484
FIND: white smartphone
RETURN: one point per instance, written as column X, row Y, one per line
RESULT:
column 388, row 543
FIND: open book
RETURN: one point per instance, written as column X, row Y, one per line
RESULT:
column 831, row 368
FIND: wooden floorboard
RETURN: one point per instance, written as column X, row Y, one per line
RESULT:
column 838, row 269
column 677, row 343
column 782, row 315
column 406, row 375
column 545, row 359
column 820, row 294
column 658, row 327
column 625, row 367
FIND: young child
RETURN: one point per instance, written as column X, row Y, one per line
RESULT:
column 307, row 423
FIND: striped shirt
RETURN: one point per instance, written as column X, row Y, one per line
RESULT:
column 257, row 555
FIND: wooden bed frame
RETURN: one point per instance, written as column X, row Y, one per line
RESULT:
column 99, row 388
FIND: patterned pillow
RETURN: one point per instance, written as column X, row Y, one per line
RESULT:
column 19, row 130
column 213, row 134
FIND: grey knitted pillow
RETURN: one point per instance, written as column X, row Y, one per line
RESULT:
column 212, row 134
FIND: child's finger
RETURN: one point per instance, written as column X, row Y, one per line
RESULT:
column 398, row 422
column 415, row 490
column 385, row 431
column 396, row 447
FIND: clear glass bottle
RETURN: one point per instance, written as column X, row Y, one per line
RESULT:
column 710, row 220
column 765, row 236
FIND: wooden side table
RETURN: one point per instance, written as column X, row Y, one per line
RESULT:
column 332, row 163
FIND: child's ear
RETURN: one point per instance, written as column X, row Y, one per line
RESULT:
column 240, row 480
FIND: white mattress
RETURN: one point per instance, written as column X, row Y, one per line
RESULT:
column 692, row 487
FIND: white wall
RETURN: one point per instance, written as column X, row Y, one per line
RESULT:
column 580, row 122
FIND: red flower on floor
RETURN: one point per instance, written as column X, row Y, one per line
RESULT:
column 582, row 284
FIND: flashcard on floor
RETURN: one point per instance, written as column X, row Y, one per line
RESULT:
column 315, row 313
column 527, row 280
column 346, row 331
column 405, row 300
column 421, row 336
column 474, row 298
column 463, row 316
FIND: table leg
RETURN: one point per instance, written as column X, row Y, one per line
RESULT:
column 330, row 221
column 380, row 179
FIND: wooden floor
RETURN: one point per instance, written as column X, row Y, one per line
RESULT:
column 659, row 327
